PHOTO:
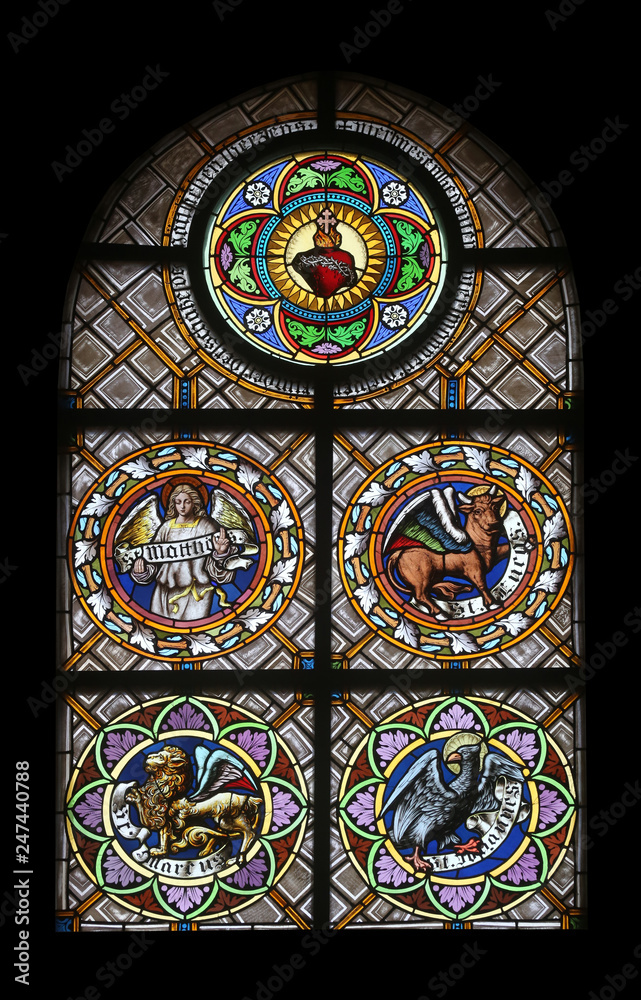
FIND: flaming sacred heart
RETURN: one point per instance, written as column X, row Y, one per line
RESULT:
column 326, row 268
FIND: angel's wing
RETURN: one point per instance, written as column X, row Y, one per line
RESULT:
column 419, row 795
column 216, row 769
column 494, row 767
column 138, row 527
column 141, row 524
column 228, row 512
column 432, row 519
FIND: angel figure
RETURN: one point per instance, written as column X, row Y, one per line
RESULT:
column 189, row 554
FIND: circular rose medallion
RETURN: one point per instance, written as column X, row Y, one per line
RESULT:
column 323, row 244
column 321, row 257
column 186, row 808
column 186, row 550
column 457, row 808
column 456, row 549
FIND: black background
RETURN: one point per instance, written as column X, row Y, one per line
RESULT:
column 561, row 75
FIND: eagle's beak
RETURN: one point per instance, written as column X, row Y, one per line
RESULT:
column 454, row 758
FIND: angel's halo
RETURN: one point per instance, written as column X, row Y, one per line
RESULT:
column 179, row 480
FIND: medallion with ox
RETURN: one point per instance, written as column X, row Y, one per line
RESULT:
column 456, row 549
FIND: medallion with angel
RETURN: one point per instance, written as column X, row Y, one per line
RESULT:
column 185, row 551
column 189, row 558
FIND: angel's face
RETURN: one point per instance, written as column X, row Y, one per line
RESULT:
column 184, row 506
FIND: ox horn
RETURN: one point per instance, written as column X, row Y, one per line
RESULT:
column 493, row 490
column 463, row 498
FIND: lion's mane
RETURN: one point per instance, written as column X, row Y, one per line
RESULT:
column 170, row 775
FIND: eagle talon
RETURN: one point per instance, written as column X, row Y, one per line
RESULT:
column 419, row 863
column 471, row 847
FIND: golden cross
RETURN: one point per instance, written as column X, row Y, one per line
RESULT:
column 326, row 220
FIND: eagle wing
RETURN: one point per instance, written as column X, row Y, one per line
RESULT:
column 216, row 769
column 432, row 520
column 419, row 797
column 495, row 766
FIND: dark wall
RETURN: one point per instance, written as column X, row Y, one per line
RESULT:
column 557, row 79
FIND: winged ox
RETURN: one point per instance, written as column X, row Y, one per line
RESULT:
column 430, row 543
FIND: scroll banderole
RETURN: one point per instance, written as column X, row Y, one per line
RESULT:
column 121, row 815
column 184, row 869
column 492, row 838
column 165, row 552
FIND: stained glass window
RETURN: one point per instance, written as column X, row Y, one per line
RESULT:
column 266, row 619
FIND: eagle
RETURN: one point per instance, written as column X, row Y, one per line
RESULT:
column 426, row 808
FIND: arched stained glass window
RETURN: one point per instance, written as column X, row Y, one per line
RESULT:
column 395, row 297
